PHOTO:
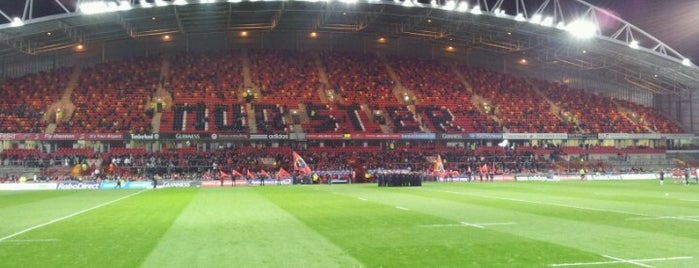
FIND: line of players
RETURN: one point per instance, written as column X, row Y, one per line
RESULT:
column 399, row 178
column 678, row 174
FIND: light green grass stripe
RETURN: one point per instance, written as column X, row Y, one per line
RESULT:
column 586, row 234
column 224, row 227
column 26, row 209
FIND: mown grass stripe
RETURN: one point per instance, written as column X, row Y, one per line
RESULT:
column 68, row 216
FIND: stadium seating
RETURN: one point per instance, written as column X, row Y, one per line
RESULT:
column 25, row 100
column 113, row 97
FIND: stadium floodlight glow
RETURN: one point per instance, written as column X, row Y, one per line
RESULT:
column 161, row 3
column 234, row 1
column 180, row 2
column 536, row 19
column 686, row 62
column 499, row 12
column 582, row 29
column 634, row 44
column 408, row 3
column 476, row 10
column 349, row 1
column 520, row 17
column 145, row 4
column 16, row 22
column 94, row 8
column 561, row 25
column 462, row 7
column 547, row 22
column 449, row 5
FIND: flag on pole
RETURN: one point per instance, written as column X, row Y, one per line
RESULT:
column 265, row 174
column 250, row 175
column 439, row 167
column 283, row 174
column 300, row 164
column 224, row 174
column 236, row 173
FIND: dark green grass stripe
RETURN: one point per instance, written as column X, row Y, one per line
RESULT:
column 382, row 235
column 584, row 235
column 117, row 235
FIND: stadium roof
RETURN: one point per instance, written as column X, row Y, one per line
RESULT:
column 548, row 30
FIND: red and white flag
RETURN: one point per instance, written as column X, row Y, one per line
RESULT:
column 300, row 164
column 283, row 174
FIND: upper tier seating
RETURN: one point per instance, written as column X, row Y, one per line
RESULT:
column 25, row 100
column 113, row 97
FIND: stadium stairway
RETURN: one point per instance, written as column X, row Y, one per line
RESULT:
column 462, row 79
column 399, row 91
column 323, row 79
column 65, row 104
column 252, row 121
column 555, row 108
column 161, row 94
column 247, row 78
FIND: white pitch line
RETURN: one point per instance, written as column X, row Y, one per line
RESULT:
column 402, row 208
column 684, row 218
column 362, row 198
column 690, row 200
column 628, row 261
column 560, row 205
column 618, row 261
column 32, row 240
column 473, row 225
column 68, row 216
column 465, row 224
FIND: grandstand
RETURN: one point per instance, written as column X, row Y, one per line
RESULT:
column 404, row 80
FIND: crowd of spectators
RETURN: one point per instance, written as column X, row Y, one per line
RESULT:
column 358, row 78
column 25, row 100
column 113, row 97
column 285, row 75
column 117, row 97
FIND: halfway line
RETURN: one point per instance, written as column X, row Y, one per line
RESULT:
column 402, row 208
column 68, row 216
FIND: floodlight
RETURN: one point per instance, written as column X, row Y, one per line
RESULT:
column 161, row 3
column 16, row 22
column 548, row 22
column 124, row 6
column 582, row 29
column 408, row 3
column 634, row 44
column 536, row 19
column 93, row 8
column 499, row 12
column 462, row 7
column 449, row 5
column 234, row 1
column 180, row 2
column 561, row 25
column 520, row 17
column 476, row 10
column 686, row 62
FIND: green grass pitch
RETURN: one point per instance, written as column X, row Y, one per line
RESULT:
column 507, row 224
